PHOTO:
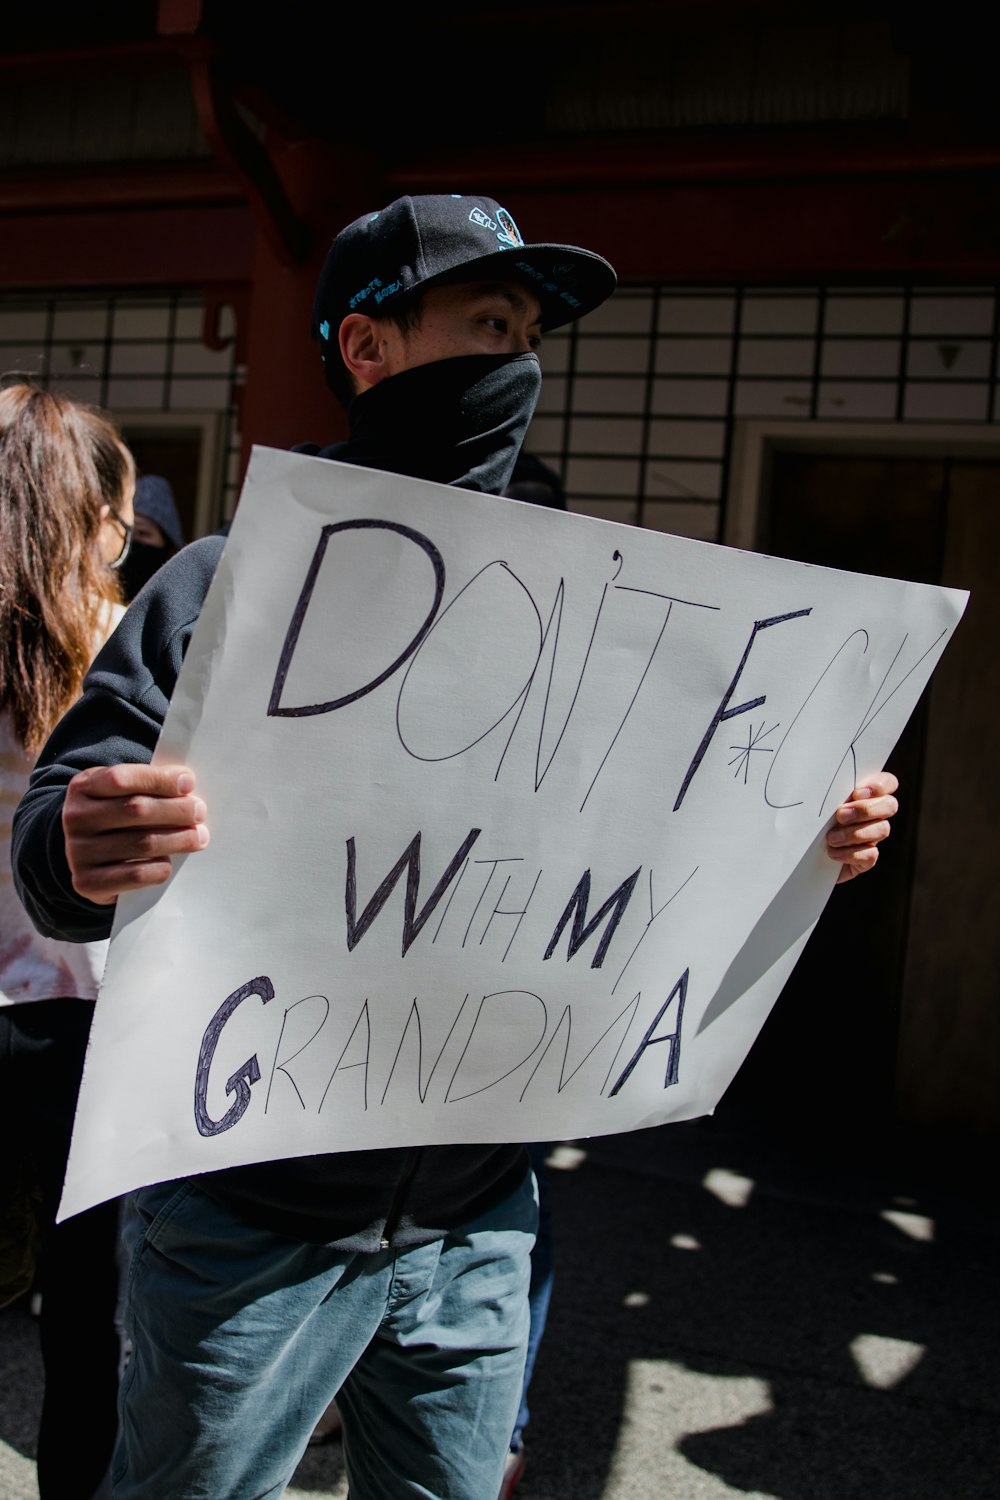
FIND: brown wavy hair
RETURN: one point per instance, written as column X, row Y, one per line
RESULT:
column 60, row 462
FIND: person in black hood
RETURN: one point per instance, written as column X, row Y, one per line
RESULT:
column 156, row 535
column 396, row 1277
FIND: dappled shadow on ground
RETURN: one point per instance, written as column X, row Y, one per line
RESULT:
column 321, row 1472
column 20, row 1400
column 736, row 1310
column 20, row 1377
column 855, row 1300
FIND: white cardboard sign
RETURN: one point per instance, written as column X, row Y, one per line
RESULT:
column 517, row 826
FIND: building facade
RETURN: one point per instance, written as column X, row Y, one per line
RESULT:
column 802, row 356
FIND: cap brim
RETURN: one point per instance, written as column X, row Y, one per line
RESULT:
column 568, row 282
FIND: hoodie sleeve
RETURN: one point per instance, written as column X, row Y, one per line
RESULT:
column 117, row 720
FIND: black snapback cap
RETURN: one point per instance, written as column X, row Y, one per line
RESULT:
column 376, row 263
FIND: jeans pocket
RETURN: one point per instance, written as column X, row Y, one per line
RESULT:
column 150, row 1210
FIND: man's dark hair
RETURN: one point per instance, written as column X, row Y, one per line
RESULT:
column 338, row 376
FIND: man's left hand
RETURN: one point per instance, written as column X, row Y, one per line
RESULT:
column 860, row 824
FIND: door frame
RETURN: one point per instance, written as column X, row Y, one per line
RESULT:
column 756, row 439
column 205, row 429
column 923, row 1094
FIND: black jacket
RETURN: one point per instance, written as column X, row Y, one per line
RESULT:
column 357, row 1200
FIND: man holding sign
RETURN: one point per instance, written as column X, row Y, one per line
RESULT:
column 397, row 1277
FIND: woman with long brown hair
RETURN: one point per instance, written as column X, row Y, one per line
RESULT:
column 66, row 488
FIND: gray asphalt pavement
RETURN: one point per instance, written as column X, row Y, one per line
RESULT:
column 738, row 1311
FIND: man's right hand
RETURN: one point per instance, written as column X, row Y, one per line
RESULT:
column 123, row 823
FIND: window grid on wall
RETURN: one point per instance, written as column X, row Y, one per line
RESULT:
column 640, row 399
column 133, row 355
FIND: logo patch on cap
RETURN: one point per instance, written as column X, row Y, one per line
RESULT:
column 509, row 232
column 503, row 226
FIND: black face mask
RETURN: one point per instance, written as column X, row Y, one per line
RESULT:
column 138, row 568
column 457, row 421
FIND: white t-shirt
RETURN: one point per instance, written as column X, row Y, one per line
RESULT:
column 33, row 967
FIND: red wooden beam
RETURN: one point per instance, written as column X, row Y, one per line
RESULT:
column 236, row 148
column 128, row 247
column 588, row 164
column 884, row 229
column 53, row 191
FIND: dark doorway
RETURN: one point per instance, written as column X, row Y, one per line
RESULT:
column 175, row 453
column 826, row 1062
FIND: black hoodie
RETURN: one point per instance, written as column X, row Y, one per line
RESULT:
column 461, row 422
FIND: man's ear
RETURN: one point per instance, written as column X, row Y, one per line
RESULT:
column 362, row 349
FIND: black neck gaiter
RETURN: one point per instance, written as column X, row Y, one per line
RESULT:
column 457, row 421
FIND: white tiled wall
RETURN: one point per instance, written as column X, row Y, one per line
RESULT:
column 640, row 398
column 130, row 354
